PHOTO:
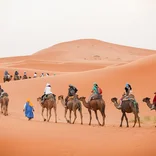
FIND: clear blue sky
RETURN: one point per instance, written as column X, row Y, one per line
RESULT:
column 27, row 26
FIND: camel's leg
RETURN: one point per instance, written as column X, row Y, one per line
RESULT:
column 7, row 110
column 135, row 120
column 75, row 116
column 90, row 113
column 138, row 120
column 4, row 109
column 65, row 115
column 123, row 114
column 97, row 117
column 70, row 115
column 81, row 116
column 103, row 116
column 1, row 108
column 55, row 114
column 126, row 120
column 43, row 115
column 49, row 115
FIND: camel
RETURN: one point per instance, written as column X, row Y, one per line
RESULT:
column 127, row 106
column 6, row 78
column 4, row 101
column 73, row 104
column 48, row 104
column 147, row 101
column 17, row 77
column 95, row 104
column 25, row 77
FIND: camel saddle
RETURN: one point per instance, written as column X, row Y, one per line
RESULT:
column 6, row 77
column 131, row 98
column 50, row 96
column 71, row 98
column 17, row 77
column 97, row 97
column 25, row 77
column 4, row 95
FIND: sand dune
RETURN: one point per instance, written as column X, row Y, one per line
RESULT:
column 136, row 66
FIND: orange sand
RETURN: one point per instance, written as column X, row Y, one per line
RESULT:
column 75, row 63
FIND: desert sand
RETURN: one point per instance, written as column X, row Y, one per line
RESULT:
column 79, row 62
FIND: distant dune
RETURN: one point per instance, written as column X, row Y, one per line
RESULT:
column 80, row 63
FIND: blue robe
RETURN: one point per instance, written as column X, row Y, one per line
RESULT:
column 29, row 111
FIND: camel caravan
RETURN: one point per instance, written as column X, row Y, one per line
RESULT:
column 73, row 103
column 8, row 77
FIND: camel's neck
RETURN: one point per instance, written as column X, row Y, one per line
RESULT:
column 63, row 102
column 116, row 104
column 85, row 104
column 149, row 104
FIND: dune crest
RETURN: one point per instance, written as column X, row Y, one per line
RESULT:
column 80, row 63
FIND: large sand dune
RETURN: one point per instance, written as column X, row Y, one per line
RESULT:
column 74, row 63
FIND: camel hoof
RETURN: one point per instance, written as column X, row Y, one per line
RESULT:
column 81, row 123
column 68, row 121
column 55, row 121
column 120, row 125
column 44, row 119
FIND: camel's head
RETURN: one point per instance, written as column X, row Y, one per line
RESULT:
column 39, row 99
column 60, row 97
column 114, row 99
column 146, row 99
column 82, row 98
column 11, row 76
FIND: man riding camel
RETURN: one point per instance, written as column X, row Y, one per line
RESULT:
column 16, row 73
column 35, row 75
column 1, row 91
column 47, row 92
column 95, row 91
column 72, row 90
column 126, row 95
column 128, row 88
column 6, row 74
column 25, row 75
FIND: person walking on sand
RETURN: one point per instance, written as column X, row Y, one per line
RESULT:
column 28, row 109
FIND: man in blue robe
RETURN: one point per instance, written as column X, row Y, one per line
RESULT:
column 28, row 109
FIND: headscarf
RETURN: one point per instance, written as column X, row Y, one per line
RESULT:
column 48, row 85
column 30, row 104
column 70, row 85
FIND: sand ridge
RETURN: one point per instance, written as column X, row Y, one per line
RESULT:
column 136, row 66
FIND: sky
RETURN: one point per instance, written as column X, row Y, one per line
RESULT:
column 27, row 26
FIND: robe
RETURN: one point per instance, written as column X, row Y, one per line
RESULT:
column 28, row 111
